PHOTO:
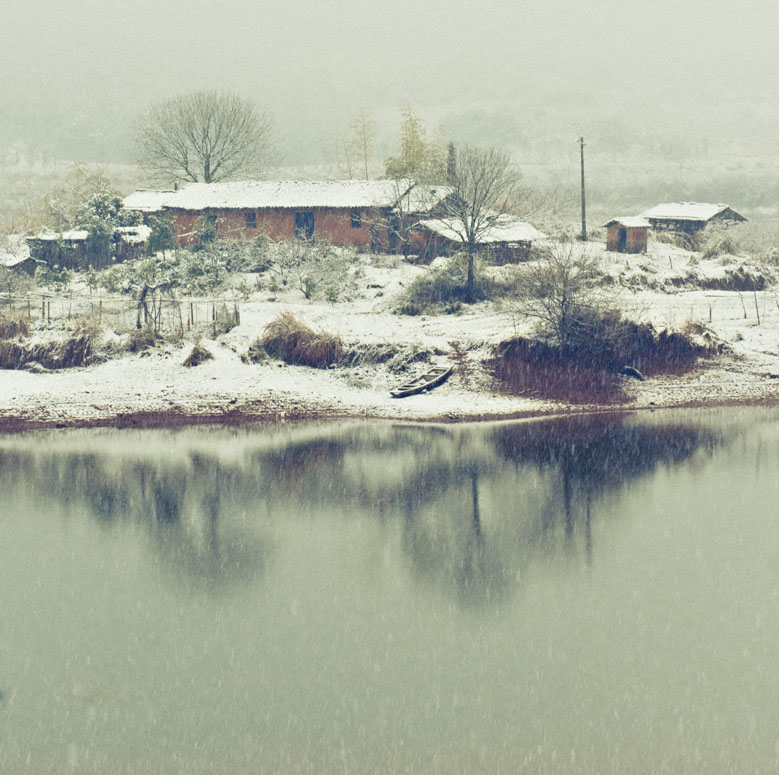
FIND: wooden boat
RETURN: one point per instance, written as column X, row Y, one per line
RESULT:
column 427, row 381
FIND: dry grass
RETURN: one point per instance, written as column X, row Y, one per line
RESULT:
column 294, row 342
column 75, row 349
column 142, row 338
column 198, row 355
column 13, row 324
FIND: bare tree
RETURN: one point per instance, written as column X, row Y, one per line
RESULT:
column 204, row 136
column 363, row 132
column 560, row 290
column 484, row 187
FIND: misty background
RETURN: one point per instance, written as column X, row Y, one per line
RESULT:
column 676, row 100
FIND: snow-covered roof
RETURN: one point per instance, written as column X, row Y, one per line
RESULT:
column 258, row 194
column 67, row 236
column 133, row 235
column 421, row 198
column 505, row 228
column 147, row 200
column 685, row 211
column 630, row 221
column 9, row 260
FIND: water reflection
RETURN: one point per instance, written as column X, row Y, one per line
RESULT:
column 475, row 507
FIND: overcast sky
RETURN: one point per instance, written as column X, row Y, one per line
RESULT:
column 310, row 61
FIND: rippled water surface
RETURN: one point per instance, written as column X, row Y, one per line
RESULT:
column 584, row 596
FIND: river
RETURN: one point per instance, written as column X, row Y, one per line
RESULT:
column 589, row 595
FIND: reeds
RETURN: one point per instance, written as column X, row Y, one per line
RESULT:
column 294, row 342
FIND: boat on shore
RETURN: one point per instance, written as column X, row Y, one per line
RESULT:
column 424, row 382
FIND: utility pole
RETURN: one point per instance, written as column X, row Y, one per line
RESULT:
column 584, row 208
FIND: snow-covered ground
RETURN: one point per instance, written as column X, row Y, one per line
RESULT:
column 154, row 386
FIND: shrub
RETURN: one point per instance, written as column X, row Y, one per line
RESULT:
column 294, row 342
column 444, row 289
column 560, row 290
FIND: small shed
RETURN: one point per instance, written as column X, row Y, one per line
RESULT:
column 131, row 242
column 18, row 264
column 627, row 234
column 507, row 240
column 67, row 249
column 690, row 217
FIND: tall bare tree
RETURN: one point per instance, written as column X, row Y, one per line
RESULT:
column 204, row 136
column 363, row 132
column 484, row 188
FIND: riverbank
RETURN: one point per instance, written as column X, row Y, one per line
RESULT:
column 155, row 388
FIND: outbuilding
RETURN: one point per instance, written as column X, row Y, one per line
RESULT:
column 507, row 240
column 690, row 217
column 627, row 234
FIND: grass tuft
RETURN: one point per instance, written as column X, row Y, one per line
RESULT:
column 289, row 340
column 198, row 355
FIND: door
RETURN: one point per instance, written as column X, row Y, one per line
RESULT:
column 622, row 239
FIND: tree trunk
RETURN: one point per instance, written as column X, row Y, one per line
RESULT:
column 470, row 282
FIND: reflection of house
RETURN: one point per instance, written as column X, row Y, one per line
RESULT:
column 345, row 212
column 506, row 241
column 627, row 234
column 689, row 217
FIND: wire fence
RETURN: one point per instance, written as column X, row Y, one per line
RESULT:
column 161, row 312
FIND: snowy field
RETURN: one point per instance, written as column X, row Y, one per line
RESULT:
column 154, row 386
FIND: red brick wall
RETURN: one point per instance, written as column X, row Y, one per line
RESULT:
column 635, row 241
column 635, row 238
column 332, row 225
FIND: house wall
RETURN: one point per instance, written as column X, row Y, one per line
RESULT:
column 677, row 225
column 332, row 225
column 635, row 238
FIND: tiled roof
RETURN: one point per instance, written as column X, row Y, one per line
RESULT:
column 685, row 211
column 631, row 221
column 505, row 228
column 147, row 200
column 258, row 194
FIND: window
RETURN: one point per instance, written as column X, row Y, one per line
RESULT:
column 304, row 225
column 356, row 219
column 251, row 220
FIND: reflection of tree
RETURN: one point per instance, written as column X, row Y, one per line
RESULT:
column 475, row 507
column 182, row 506
column 449, row 544
column 595, row 456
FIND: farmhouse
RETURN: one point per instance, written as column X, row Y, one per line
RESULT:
column 627, row 234
column 689, row 217
column 349, row 212
column 506, row 241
